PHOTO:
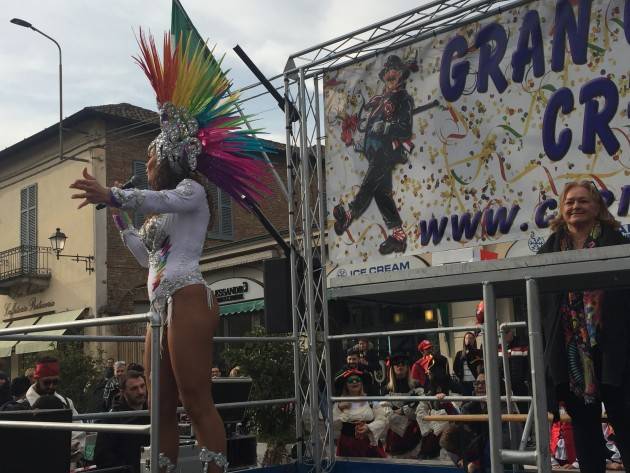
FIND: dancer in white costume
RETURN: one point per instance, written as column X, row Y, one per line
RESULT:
column 200, row 142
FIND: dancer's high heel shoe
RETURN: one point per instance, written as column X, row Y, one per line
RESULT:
column 165, row 461
column 206, row 457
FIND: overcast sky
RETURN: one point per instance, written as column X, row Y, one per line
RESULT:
column 97, row 40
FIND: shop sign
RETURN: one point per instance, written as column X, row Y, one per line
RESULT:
column 237, row 290
column 389, row 266
column 34, row 304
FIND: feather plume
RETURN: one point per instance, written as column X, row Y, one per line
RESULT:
column 191, row 79
column 162, row 74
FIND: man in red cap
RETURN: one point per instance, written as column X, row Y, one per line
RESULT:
column 47, row 376
column 429, row 361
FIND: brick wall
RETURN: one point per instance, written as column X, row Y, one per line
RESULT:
column 126, row 280
column 274, row 207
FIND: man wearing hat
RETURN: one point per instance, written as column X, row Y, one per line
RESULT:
column 387, row 143
column 429, row 361
column 47, row 377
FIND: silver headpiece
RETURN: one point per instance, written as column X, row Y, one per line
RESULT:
column 177, row 142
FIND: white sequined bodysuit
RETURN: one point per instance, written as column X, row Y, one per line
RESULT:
column 170, row 242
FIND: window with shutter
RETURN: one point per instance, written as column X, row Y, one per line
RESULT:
column 139, row 169
column 28, row 228
column 222, row 227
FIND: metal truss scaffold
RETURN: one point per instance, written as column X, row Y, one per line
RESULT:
column 307, row 223
column 307, row 203
column 414, row 25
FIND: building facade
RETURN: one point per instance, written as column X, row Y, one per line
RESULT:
column 110, row 141
column 36, row 286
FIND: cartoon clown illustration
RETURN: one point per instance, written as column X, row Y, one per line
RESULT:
column 387, row 143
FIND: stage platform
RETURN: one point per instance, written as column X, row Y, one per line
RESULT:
column 365, row 466
column 381, row 466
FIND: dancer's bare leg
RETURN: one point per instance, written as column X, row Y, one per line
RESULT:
column 169, row 432
column 190, row 342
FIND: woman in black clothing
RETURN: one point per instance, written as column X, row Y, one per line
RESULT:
column 467, row 363
column 586, row 333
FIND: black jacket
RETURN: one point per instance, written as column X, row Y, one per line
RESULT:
column 613, row 336
column 118, row 449
column 474, row 358
column 16, row 406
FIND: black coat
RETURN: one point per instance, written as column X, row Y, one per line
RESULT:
column 119, row 449
column 614, row 334
column 474, row 358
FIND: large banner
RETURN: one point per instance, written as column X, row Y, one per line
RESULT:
column 468, row 138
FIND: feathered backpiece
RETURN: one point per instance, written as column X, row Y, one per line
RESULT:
column 201, row 128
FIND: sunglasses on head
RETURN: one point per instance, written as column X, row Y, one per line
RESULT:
column 354, row 380
column 50, row 382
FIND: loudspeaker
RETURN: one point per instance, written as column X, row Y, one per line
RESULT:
column 235, row 389
column 34, row 450
column 277, row 279
column 241, row 451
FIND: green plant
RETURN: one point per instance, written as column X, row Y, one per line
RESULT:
column 270, row 365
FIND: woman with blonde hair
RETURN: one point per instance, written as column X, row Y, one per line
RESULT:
column 587, row 354
column 403, row 435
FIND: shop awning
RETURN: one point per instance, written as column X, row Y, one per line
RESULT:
column 33, row 346
column 242, row 307
column 7, row 345
column 3, row 349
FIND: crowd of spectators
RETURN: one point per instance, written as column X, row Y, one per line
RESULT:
column 405, row 429
column 408, row 429
column 122, row 389
column 397, row 428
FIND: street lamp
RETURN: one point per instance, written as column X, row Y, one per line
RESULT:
column 26, row 24
column 58, row 243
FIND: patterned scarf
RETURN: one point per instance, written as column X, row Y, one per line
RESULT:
column 581, row 318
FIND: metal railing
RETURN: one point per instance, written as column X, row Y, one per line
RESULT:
column 24, row 260
column 20, row 333
column 516, row 454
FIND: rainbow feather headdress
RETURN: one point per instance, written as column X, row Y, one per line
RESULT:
column 201, row 127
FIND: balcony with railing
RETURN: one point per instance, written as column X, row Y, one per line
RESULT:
column 24, row 270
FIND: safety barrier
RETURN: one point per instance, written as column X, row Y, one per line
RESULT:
column 155, row 323
column 515, row 455
column 606, row 267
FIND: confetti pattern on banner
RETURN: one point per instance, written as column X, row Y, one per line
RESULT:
column 481, row 152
